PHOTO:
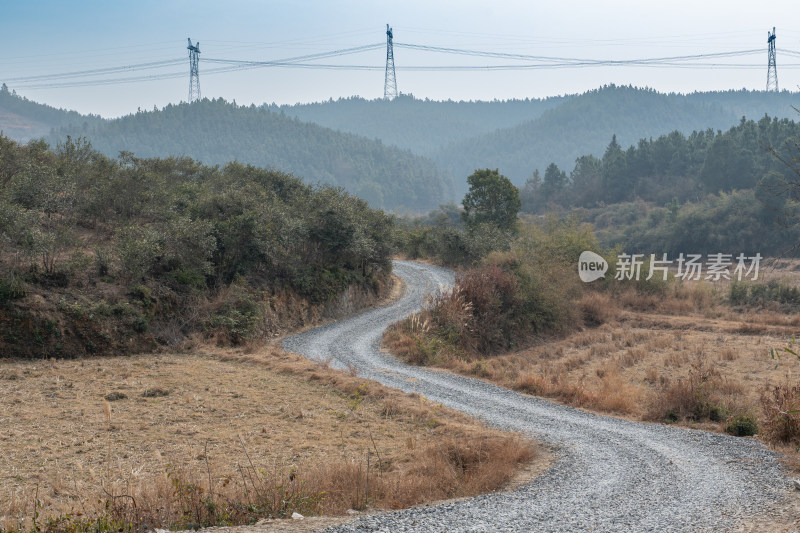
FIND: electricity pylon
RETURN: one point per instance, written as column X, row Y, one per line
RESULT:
column 194, row 75
column 390, row 82
column 772, row 70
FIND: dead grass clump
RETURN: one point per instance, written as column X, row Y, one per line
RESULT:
column 601, row 350
column 640, row 301
column 616, row 395
column 689, row 297
column 728, row 354
column 155, row 392
column 588, row 338
column 750, row 329
column 451, row 468
column 702, row 395
column 115, row 396
column 781, row 413
column 660, row 342
column 631, row 357
column 597, row 308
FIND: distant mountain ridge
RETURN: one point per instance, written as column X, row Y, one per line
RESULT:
column 422, row 126
column 407, row 153
column 216, row 132
column 585, row 124
column 22, row 119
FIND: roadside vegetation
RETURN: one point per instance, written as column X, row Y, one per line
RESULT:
column 697, row 353
column 194, row 268
column 111, row 256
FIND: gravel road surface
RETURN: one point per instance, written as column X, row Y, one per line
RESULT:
column 611, row 474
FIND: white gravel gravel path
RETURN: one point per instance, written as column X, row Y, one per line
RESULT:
column 611, row 475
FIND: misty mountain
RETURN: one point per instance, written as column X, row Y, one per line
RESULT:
column 422, row 126
column 215, row 132
column 22, row 119
column 376, row 152
column 586, row 123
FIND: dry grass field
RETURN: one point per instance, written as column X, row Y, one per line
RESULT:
column 686, row 357
column 161, row 429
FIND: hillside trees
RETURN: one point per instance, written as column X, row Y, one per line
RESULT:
column 491, row 198
column 217, row 132
column 177, row 231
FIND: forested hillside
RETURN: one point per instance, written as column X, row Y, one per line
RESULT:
column 23, row 120
column 516, row 136
column 422, row 126
column 702, row 192
column 585, row 124
column 108, row 256
column 216, row 132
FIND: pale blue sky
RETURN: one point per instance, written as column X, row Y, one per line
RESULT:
column 48, row 37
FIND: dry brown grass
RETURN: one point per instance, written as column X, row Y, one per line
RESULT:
column 217, row 412
column 597, row 308
column 781, row 405
column 681, row 355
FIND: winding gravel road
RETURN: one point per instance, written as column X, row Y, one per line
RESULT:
column 611, row 475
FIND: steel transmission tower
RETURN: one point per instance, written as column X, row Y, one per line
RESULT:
column 194, row 75
column 772, row 70
column 390, row 82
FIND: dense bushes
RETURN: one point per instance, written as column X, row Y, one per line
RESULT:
column 772, row 292
column 735, row 222
column 72, row 218
column 508, row 300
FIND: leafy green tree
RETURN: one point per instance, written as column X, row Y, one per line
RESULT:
column 491, row 198
column 555, row 181
column 530, row 194
column 614, row 173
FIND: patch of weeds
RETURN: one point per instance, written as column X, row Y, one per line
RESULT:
column 190, row 278
column 74, row 309
column 37, row 337
column 357, row 397
column 115, row 396
column 479, row 368
column 141, row 293
column 140, row 324
column 9, row 375
column 671, row 417
column 12, row 288
column 123, row 309
column 742, row 426
column 51, row 327
column 717, row 413
column 156, row 392
column 100, row 308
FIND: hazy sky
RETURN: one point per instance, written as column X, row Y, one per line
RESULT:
column 40, row 37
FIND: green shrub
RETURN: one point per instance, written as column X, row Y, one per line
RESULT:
column 190, row 277
column 240, row 315
column 762, row 294
column 742, row 426
column 138, row 248
column 12, row 288
column 738, row 293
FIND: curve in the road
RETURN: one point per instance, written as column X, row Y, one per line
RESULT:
column 612, row 474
